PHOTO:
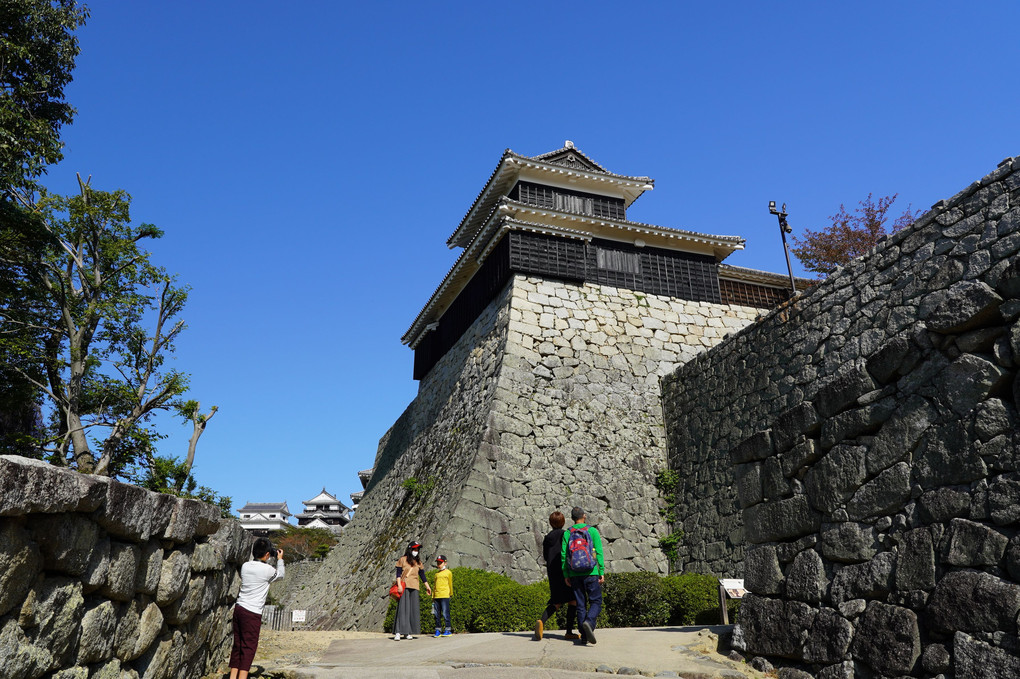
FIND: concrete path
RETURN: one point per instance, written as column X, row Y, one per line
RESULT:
column 688, row 652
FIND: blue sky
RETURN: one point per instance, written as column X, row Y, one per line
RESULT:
column 308, row 160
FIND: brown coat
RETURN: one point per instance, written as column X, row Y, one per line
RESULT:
column 410, row 573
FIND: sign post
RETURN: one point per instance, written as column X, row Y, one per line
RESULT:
column 729, row 588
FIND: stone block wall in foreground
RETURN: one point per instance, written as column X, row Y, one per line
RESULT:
column 105, row 580
column 870, row 434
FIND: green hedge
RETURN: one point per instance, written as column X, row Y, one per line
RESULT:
column 489, row 602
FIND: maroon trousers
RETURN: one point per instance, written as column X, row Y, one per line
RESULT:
column 246, row 638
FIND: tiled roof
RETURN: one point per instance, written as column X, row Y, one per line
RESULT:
column 493, row 188
column 263, row 507
column 741, row 273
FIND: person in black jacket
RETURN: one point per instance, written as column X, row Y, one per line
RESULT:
column 559, row 593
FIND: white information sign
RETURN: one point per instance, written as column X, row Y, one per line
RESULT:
column 297, row 616
column 734, row 588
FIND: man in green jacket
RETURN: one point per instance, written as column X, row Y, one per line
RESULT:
column 584, row 570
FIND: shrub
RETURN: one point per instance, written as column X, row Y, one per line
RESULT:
column 509, row 608
column 489, row 602
column 635, row 600
column 694, row 599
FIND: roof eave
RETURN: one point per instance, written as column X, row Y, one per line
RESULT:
column 633, row 187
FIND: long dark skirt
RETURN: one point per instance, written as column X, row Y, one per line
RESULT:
column 559, row 591
column 408, row 613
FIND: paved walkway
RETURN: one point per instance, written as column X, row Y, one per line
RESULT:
column 688, row 652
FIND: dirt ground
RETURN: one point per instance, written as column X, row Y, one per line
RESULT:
column 293, row 648
column 286, row 648
column 279, row 650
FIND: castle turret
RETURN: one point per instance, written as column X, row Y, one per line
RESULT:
column 538, row 359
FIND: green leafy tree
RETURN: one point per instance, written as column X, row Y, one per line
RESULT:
column 173, row 477
column 299, row 543
column 849, row 235
column 93, row 329
column 37, row 53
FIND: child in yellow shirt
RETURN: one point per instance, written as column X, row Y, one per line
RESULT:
column 441, row 598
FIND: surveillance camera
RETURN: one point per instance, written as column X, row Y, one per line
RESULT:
column 772, row 206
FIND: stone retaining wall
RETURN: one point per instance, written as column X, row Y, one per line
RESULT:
column 867, row 437
column 105, row 580
column 549, row 400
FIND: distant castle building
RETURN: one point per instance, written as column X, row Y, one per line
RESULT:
column 324, row 511
column 365, row 475
column 262, row 518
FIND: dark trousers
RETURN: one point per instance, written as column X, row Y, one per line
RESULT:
column 246, row 626
column 588, row 594
column 441, row 612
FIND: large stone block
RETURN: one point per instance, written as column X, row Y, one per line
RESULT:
column 183, row 520
column 834, row 478
column 829, row 638
column 843, row 391
column 870, row 580
column 20, row 562
column 185, row 607
column 120, row 583
column 756, row 447
column 173, row 576
column 30, row 486
column 775, row 628
column 887, row 639
column 885, row 363
column 98, row 627
column 969, row 601
column 898, row 437
column 150, row 565
column 973, row 659
column 762, row 573
column 749, row 485
column 207, row 557
column 848, row 542
column 797, row 421
column 134, row 513
column 1009, row 280
column 98, row 571
column 915, row 562
column 942, row 504
column 964, row 306
column 233, row 541
column 163, row 658
column 780, row 520
column 208, row 519
column 1004, row 501
column 802, row 454
column 55, row 617
column 66, row 541
column 973, row 544
column 992, row 418
column 851, row 424
column 968, row 381
column 885, row 494
column 946, row 457
column 146, row 628
column 18, row 656
column 805, row 578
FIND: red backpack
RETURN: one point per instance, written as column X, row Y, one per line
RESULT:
column 580, row 550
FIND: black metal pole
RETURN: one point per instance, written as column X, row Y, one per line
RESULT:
column 786, row 249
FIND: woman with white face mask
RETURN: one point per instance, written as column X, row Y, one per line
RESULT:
column 410, row 577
